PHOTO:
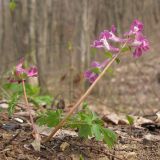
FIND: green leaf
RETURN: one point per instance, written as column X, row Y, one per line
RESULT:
column 50, row 118
column 12, row 103
column 85, row 105
column 125, row 49
column 85, row 131
column 12, row 5
column 17, row 88
column 108, row 54
column 109, row 137
column 32, row 90
column 39, row 100
column 89, row 124
column 96, row 70
column 110, row 71
column 117, row 60
column 13, row 87
column 130, row 119
column 96, row 131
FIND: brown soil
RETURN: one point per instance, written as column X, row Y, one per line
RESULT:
column 16, row 144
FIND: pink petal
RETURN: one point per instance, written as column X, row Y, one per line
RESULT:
column 32, row 72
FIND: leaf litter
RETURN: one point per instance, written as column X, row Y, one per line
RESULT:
column 139, row 141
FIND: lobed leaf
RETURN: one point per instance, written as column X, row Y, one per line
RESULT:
column 50, row 118
column 109, row 137
column 108, row 54
column 96, row 131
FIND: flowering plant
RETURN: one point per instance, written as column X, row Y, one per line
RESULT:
column 133, row 40
column 19, row 75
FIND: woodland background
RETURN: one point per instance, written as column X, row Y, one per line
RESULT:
column 55, row 35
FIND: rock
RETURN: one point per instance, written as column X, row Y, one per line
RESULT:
column 131, row 156
column 64, row 146
column 11, row 126
column 158, row 117
column 4, row 106
column 127, row 155
column 18, row 120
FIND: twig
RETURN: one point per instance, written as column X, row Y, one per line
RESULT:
column 61, row 124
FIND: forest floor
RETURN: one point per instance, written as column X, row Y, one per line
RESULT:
column 138, row 142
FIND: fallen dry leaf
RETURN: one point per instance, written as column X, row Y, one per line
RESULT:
column 115, row 119
column 44, row 130
column 111, row 118
column 37, row 143
column 138, row 121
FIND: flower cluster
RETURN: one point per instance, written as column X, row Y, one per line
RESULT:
column 133, row 39
column 21, row 73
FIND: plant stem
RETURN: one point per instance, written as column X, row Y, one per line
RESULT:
column 29, row 109
column 61, row 124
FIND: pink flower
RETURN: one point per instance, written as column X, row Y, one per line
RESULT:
column 97, row 44
column 105, row 37
column 91, row 75
column 140, row 44
column 135, row 27
column 103, row 43
column 136, row 40
column 96, row 64
column 110, row 35
column 19, row 67
column 32, row 72
column 21, row 73
column 108, row 47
